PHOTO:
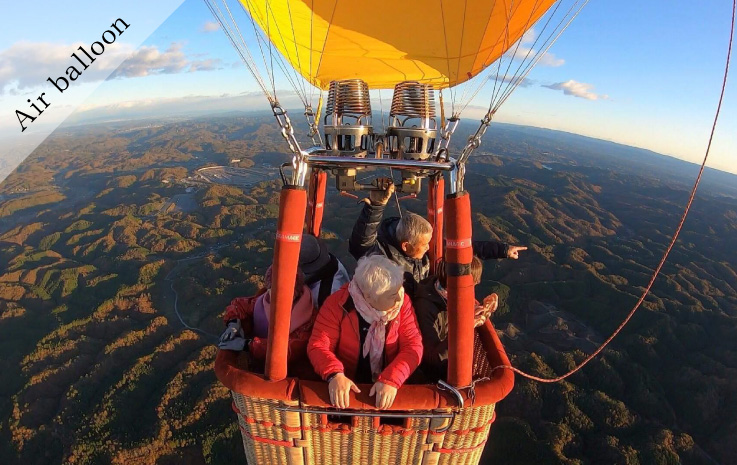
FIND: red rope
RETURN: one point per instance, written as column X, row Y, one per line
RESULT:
column 670, row 246
column 462, row 450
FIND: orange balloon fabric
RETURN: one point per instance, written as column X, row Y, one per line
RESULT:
column 383, row 42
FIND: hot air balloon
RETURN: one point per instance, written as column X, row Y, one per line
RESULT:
column 349, row 49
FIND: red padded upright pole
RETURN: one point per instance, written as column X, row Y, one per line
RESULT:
column 316, row 201
column 292, row 205
column 435, row 202
column 458, row 257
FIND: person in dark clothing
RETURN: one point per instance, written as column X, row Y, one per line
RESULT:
column 431, row 308
column 406, row 240
column 373, row 236
column 324, row 273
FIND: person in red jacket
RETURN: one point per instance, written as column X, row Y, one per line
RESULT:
column 247, row 321
column 367, row 333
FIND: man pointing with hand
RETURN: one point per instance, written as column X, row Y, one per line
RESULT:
column 406, row 240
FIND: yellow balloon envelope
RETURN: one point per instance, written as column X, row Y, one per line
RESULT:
column 383, row 42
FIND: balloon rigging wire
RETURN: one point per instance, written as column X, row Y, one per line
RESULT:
column 505, row 84
column 271, row 49
column 544, row 49
column 258, row 35
column 670, row 245
column 298, row 77
column 499, row 80
column 447, row 59
column 293, row 80
column 381, row 107
column 396, row 196
column 296, row 51
column 243, row 52
column 506, row 78
column 327, row 34
column 279, row 60
column 514, row 81
column 312, row 43
column 460, row 46
column 298, row 83
column 505, row 46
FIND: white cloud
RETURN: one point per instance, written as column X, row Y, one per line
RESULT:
column 205, row 65
column 526, row 51
column 210, row 26
column 25, row 65
column 172, row 106
column 526, row 82
column 149, row 60
column 577, row 89
column 548, row 59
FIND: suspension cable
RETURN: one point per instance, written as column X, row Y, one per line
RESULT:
column 447, row 59
column 242, row 51
column 501, row 79
column 504, row 84
column 670, row 245
column 381, row 107
column 546, row 46
column 506, row 78
column 474, row 141
column 295, row 79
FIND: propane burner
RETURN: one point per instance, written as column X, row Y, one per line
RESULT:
column 347, row 122
column 413, row 129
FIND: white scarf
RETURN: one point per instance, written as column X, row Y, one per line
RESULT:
column 376, row 337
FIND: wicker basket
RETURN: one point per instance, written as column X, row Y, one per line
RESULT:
column 290, row 422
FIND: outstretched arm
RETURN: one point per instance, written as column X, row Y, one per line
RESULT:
column 486, row 250
column 364, row 232
column 514, row 251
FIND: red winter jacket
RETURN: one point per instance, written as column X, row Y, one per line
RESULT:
column 333, row 346
column 241, row 308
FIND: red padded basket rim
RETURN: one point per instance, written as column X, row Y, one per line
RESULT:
column 409, row 397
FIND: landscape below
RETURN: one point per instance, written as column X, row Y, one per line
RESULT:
column 112, row 244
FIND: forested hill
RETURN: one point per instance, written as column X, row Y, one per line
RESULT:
column 104, row 227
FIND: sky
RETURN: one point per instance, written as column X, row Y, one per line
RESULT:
column 646, row 74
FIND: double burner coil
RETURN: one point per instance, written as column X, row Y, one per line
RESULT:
column 347, row 122
column 413, row 128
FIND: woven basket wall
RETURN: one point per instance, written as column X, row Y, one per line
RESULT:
column 273, row 436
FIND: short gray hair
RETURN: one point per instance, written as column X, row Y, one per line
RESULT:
column 376, row 275
column 411, row 226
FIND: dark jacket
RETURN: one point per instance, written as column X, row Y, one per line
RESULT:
column 327, row 280
column 431, row 310
column 372, row 235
